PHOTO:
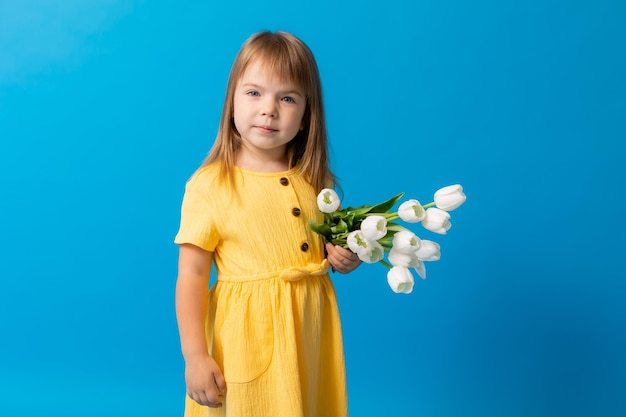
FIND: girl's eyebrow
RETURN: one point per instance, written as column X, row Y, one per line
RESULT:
column 258, row 87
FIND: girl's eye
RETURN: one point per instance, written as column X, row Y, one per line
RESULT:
column 289, row 99
column 253, row 93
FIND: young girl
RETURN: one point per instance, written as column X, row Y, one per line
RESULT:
column 265, row 340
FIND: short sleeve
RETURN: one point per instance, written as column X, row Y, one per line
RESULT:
column 197, row 221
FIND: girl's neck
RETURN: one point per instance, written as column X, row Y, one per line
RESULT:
column 258, row 163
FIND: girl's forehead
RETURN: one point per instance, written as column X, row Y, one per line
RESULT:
column 261, row 71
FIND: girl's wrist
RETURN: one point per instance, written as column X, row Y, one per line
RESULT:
column 195, row 355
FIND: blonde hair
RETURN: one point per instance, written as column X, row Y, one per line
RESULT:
column 290, row 60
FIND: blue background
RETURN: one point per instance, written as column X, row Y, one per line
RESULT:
column 108, row 106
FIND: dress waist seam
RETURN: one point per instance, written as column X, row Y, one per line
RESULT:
column 289, row 274
column 246, row 278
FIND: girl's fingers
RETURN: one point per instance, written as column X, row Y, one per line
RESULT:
column 199, row 397
column 344, row 253
column 220, row 383
column 343, row 260
column 207, row 398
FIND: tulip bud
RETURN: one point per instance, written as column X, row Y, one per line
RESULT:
column 428, row 251
column 411, row 211
column 374, row 253
column 397, row 258
column 406, row 241
column 437, row 220
column 328, row 200
column 374, row 227
column 400, row 280
column 357, row 243
column 450, row 197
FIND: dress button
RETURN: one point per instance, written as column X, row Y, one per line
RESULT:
column 304, row 247
column 295, row 211
column 284, row 181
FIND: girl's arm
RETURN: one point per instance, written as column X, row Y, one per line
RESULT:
column 204, row 379
column 343, row 260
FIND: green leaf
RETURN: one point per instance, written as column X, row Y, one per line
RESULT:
column 385, row 206
column 341, row 227
column 360, row 212
column 349, row 219
column 321, row 229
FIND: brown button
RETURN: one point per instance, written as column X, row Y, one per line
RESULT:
column 295, row 211
column 304, row 247
column 284, row 181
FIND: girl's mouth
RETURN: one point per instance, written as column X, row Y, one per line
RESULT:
column 266, row 129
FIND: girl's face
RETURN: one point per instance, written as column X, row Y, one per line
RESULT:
column 268, row 113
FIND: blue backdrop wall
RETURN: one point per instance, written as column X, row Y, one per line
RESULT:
column 108, row 106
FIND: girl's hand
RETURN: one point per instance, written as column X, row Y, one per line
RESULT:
column 205, row 381
column 343, row 260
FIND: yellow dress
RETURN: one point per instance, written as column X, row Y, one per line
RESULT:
column 273, row 323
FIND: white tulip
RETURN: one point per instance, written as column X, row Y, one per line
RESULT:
column 450, row 197
column 411, row 211
column 404, row 259
column 428, row 251
column 420, row 268
column 357, row 242
column 369, row 251
column 407, row 260
column 374, row 227
column 437, row 220
column 373, row 254
column 400, row 280
column 328, row 200
column 406, row 241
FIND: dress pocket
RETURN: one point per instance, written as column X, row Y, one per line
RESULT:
column 246, row 338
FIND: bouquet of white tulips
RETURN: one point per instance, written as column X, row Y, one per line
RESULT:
column 370, row 231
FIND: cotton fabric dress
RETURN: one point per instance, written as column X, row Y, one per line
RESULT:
column 273, row 323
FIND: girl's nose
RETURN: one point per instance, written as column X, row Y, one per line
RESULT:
column 269, row 108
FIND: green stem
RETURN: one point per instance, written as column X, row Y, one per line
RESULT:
column 339, row 242
column 391, row 216
column 429, row 205
column 382, row 261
